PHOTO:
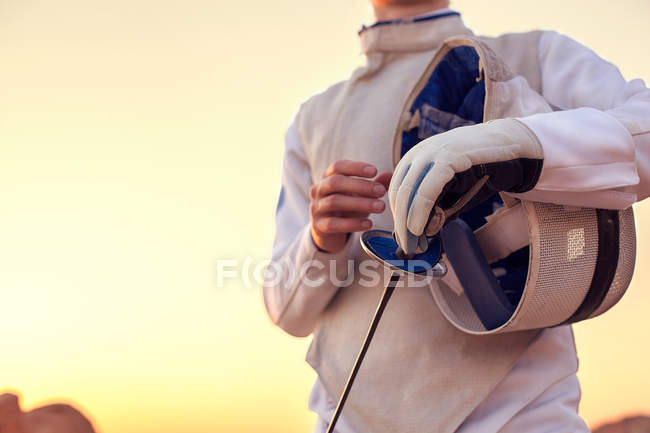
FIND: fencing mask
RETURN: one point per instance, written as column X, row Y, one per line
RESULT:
column 512, row 264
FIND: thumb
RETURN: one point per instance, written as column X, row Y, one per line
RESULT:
column 384, row 179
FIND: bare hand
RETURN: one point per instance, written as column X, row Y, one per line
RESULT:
column 342, row 201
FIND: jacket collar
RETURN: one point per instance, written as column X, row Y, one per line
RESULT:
column 414, row 34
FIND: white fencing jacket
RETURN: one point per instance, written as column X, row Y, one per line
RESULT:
column 597, row 154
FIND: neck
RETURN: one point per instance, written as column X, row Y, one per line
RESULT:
column 386, row 11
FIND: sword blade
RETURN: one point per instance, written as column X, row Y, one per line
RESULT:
column 385, row 297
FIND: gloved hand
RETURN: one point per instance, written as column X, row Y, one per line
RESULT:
column 449, row 173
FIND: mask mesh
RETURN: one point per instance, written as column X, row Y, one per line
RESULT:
column 564, row 248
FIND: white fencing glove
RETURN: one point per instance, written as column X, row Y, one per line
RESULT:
column 450, row 172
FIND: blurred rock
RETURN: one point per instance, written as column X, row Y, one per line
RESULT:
column 54, row 418
column 637, row 424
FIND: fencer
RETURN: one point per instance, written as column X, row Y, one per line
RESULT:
column 586, row 144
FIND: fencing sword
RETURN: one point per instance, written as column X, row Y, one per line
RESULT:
column 381, row 246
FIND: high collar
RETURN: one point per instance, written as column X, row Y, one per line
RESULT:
column 415, row 34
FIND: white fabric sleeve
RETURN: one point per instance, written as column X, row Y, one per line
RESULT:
column 597, row 150
column 300, row 279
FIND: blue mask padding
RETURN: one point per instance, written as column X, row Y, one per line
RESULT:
column 385, row 248
column 455, row 96
column 512, row 273
column 490, row 303
column 476, row 217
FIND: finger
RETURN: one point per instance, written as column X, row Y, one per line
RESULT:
column 419, row 214
column 351, row 168
column 426, row 195
column 398, row 176
column 346, row 203
column 338, row 183
column 353, row 214
column 384, row 179
column 403, row 201
column 399, row 219
column 330, row 225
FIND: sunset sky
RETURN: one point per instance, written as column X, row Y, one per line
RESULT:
column 140, row 143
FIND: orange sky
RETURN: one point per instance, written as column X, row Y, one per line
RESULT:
column 140, row 142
